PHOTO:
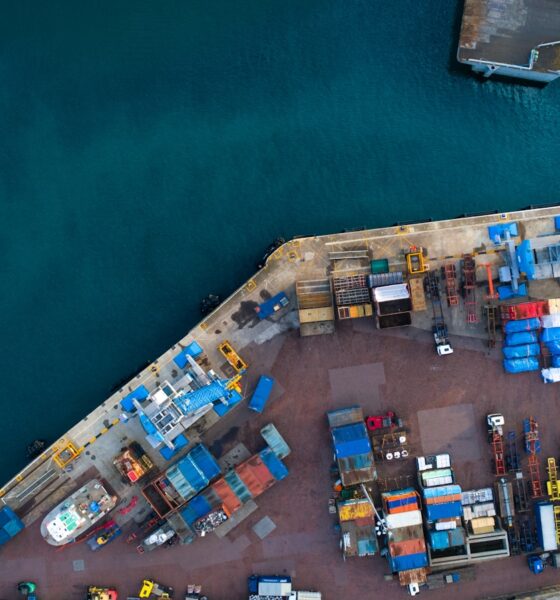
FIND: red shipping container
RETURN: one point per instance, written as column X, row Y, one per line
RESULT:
column 228, row 497
column 443, row 499
column 407, row 547
column 255, row 475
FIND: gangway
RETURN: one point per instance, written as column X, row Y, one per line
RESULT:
column 469, row 288
column 552, row 483
column 512, row 457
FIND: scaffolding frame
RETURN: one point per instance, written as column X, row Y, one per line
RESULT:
column 469, row 288
column 557, row 522
column 491, row 313
column 498, row 449
column 535, row 476
column 552, row 483
column 450, row 274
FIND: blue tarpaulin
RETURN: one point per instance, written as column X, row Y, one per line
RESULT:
column 550, row 333
column 521, row 365
column 220, row 408
column 553, row 346
column 523, row 337
column 497, row 233
column 193, row 349
column 521, row 351
column 140, row 394
column 556, row 361
column 522, row 325
column 525, row 259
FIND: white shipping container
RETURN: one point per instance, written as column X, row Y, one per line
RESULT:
column 306, row 596
column 388, row 293
column 547, row 527
column 405, row 519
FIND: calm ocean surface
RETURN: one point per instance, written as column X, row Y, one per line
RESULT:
column 151, row 150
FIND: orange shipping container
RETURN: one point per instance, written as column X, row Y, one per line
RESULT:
column 407, row 547
column 255, row 475
column 443, row 499
column 228, row 497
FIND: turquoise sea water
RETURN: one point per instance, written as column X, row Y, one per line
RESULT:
column 151, row 150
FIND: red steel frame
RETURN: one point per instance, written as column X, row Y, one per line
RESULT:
column 469, row 286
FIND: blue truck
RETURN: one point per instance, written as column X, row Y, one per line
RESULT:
column 268, row 308
column 261, row 393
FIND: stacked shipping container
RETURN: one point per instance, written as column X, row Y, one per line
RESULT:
column 239, row 485
column 182, row 481
column 405, row 537
column 442, row 506
column 351, row 445
column 357, row 527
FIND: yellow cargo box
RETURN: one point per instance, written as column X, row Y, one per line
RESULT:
column 314, row 315
column 417, row 293
column 483, row 525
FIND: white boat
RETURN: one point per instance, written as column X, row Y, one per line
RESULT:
column 75, row 515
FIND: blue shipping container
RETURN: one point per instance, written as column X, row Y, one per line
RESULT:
column 238, row 486
column 409, row 561
column 435, row 512
column 261, row 393
column 521, row 365
column 521, row 351
column 274, row 464
column 196, row 508
column 523, row 337
column 441, row 490
column 206, row 463
column 350, row 440
column 439, row 540
column 522, row 325
column 457, row 537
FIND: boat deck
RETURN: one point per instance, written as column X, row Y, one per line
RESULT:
column 505, row 31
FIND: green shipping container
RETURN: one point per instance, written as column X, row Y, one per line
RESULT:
column 380, row 265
